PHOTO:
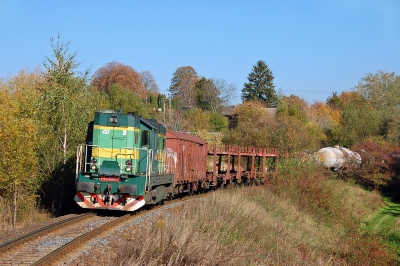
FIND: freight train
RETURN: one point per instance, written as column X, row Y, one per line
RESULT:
column 128, row 162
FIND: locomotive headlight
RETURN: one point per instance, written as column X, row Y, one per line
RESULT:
column 113, row 120
column 93, row 166
column 128, row 164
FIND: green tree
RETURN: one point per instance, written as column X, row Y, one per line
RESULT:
column 218, row 122
column 359, row 120
column 64, row 91
column 334, row 101
column 260, row 86
column 292, row 135
column 207, row 95
column 212, row 94
column 382, row 92
column 128, row 101
column 293, row 106
column 254, row 125
column 66, row 106
column 381, row 89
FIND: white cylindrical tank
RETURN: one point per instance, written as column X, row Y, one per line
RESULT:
column 337, row 158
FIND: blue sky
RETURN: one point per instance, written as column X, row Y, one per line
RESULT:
column 313, row 48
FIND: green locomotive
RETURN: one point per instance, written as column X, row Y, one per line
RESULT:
column 123, row 164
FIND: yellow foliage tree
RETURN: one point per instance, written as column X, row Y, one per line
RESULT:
column 197, row 120
column 19, row 173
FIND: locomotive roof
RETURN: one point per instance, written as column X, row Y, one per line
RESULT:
column 184, row 136
column 153, row 124
column 129, row 119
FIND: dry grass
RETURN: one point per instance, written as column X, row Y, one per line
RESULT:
column 265, row 226
column 27, row 214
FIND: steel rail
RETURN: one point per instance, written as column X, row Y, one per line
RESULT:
column 41, row 231
column 60, row 252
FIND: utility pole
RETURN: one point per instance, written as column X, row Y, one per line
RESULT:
column 169, row 105
column 164, row 110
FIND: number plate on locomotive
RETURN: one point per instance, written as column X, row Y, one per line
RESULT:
column 109, row 178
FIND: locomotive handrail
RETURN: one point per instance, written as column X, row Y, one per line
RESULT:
column 134, row 160
column 149, row 168
column 149, row 159
column 78, row 161
column 161, row 161
column 82, row 155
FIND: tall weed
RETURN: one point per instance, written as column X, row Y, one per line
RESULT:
column 28, row 213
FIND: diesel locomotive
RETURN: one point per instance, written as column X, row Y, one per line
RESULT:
column 128, row 161
column 125, row 163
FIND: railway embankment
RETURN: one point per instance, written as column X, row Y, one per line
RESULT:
column 302, row 216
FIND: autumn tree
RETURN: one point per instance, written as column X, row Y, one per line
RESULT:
column 293, row 136
column 182, row 87
column 19, row 139
column 293, row 106
column 295, row 125
column 254, row 124
column 197, row 120
column 358, row 121
column 323, row 115
column 381, row 89
column 260, row 86
column 118, row 73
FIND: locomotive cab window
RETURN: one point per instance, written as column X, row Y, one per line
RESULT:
column 145, row 139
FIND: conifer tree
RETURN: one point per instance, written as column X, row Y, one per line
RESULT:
column 260, row 86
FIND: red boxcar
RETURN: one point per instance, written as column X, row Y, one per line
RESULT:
column 187, row 159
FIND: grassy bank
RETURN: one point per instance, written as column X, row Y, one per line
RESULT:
column 27, row 214
column 385, row 222
column 301, row 217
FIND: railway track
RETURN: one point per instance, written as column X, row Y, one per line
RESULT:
column 50, row 244
column 45, row 245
